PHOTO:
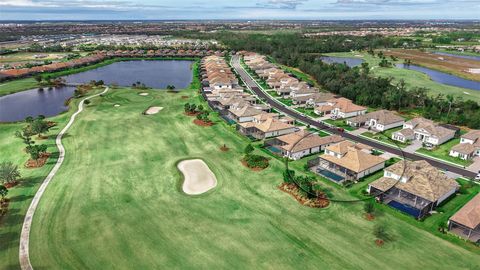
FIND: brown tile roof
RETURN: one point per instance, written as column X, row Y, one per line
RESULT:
column 354, row 160
column 469, row 214
column 465, row 148
column 245, row 111
column 302, row 140
column 423, row 180
column 383, row 117
column 472, row 135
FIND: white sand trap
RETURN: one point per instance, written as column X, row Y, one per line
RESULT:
column 198, row 178
column 466, row 93
column 143, row 94
column 153, row 110
column 116, row 105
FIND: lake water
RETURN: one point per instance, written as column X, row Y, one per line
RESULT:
column 349, row 61
column 156, row 74
column 471, row 57
column 444, row 78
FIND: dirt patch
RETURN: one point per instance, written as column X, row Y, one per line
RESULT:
column 185, row 97
column 379, row 242
column 4, row 208
column 31, row 164
column 202, row 123
column 11, row 184
column 292, row 189
column 224, row 148
column 191, row 113
column 369, row 216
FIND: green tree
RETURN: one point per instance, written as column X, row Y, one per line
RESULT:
column 39, row 127
column 380, row 232
column 9, row 172
column 35, row 151
column 3, row 192
column 249, row 149
column 25, row 136
column 369, row 208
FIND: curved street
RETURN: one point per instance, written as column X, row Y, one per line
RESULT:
column 257, row 90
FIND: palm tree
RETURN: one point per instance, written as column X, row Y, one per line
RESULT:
column 450, row 100
column 3, row 192
column 9, row 172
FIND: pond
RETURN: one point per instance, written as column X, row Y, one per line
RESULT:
column 156, row 74
column 349, row 61
column 464, row 56
column 444, row 78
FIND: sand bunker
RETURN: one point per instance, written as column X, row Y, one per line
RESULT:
column 153, row 110
column 143, row 94
column 116, row 105
column 198, row 178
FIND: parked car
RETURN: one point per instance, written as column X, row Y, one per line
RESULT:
column 477, row 178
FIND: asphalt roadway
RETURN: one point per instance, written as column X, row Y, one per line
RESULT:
column 252, row 84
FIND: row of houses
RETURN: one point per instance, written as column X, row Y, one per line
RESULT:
column 413, row 187
column 163, row 53
column 23, row 72
column 100, row 56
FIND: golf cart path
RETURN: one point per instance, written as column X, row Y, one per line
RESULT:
column 27, row 222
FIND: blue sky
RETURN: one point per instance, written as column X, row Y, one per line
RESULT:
column 239, row 9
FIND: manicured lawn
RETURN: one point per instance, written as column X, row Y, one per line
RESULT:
column 307, row 111
column 386, row 137
column 11, row 87
column 285, row 101
column 117, row 203
column 319, row 132
column 340, row 123
column 11, row 149
column 442, row 152
column 412, row 78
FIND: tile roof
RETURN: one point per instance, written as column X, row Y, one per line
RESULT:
column 354, row 160
column 423, row 180
column 383, row 117
column 302, row 140
column 469, row 214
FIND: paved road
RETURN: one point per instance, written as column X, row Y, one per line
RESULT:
column 24, row 256
column 252, row 84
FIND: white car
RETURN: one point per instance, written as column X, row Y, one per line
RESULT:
column 477, row 177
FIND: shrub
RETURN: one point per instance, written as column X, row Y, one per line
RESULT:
column 256, row 161
column 249, row 149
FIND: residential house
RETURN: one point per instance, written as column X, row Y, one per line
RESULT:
column 346, row 161
column 301, row 143
column 265, row 128
column 466, row 221
column 413, row 187
column 468, row 147
column 243, row 114
column 340, row 108
column 378, row 120
column 424, row 130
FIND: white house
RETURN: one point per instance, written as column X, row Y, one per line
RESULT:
column 379, row 120
column 424, row 130
column 468, row 147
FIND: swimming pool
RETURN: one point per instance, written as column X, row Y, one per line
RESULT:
column 405, row 208
column 330, row 175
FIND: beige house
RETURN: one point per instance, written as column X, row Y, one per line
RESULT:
column 265, row 128
column 378, row 120
column 413, row 187
column 340, row 108
column 243, row 114
column 301, row 143
column 468, row 147
column 424, row 130
column 347, row 161
column 466, row 222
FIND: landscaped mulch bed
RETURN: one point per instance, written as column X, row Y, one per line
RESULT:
column 185, row 97
column 369, row 217
column 4, row 208
column 191, row 113
column 292, row 189
column 11, row 184
column 37, row 163
column 224, row 148
column 379, row 242
column 203, row 123
column 255, row 169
